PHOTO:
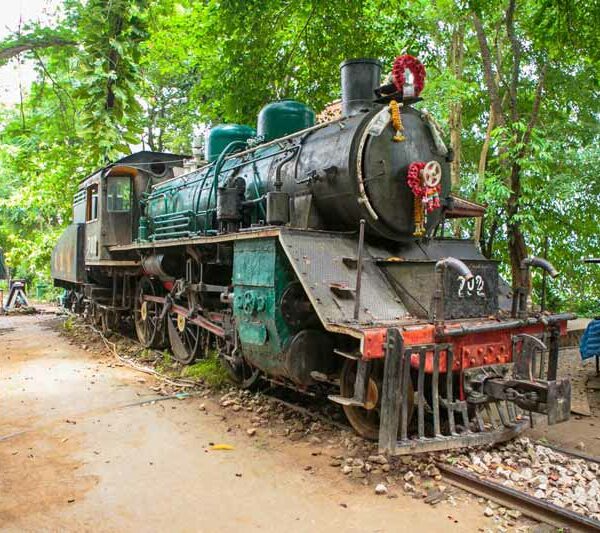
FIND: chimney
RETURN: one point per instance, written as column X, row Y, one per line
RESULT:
column 360, row 78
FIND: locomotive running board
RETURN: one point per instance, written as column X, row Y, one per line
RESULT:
column 480, row 423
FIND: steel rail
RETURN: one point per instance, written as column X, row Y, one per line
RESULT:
column 530, row 506
column 572, row 453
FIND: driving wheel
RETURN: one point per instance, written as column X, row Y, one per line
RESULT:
column 366, row 420
column 148, row 328
column 184, row 336
column 240, row 371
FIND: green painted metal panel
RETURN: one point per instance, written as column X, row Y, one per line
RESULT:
column 261, row 272
column 254, row 263
column 252, row 333
column 186, row 205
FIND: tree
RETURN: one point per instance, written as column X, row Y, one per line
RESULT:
column 514, row 84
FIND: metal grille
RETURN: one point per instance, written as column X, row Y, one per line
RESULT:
column 442, row 422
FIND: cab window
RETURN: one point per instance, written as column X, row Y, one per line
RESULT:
column 118, row 194
column 91, row 211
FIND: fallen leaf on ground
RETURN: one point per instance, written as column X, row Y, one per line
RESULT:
column 222, row 447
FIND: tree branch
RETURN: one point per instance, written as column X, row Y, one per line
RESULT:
column 14, row 48
column 537, row 102
column 486, row 58
column 516, row 51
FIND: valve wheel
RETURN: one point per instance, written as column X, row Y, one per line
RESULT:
column 366, row 420
column 432, row 174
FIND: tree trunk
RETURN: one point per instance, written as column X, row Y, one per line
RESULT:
column 457, row 54
column 486, row 58
column 517, row 246
column 516, row 241
column 481, row 170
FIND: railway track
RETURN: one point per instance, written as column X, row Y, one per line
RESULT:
column 535, row 508
column 527, row 504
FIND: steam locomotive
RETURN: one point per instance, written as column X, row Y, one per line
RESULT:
column 313, row 255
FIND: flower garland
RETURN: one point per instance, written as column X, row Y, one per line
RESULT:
column 397, row 121
column 401, row 63
column 427, row 198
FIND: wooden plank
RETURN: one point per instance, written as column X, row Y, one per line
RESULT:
column 391, row 393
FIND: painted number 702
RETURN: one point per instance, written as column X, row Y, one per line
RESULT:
column 474, row 287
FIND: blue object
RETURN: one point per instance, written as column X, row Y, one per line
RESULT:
column 590, row 341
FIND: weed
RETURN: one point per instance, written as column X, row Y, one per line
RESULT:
column 209, row 369
column 165, row 365
column 69, row 324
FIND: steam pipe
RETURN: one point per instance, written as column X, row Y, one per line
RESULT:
column 541, row 263
column 438, row 296
column 519, row 303
column 456, row 265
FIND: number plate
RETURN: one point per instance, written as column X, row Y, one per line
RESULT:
column 477, row 297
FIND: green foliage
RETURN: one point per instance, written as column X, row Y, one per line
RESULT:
column 107, row 75
column 165, row 364
column 82, row 111
column 69, row 323
column 111, row 74
column 209, row 369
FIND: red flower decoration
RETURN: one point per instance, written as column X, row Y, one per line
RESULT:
column 401, row 63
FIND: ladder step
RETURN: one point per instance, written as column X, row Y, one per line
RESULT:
column 345, row 401
column 347, row 355
column 319, row 376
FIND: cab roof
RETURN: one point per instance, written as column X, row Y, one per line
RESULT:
column 144, row 160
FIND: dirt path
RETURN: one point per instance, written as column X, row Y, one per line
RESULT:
column 76, row 456
column 580, row 432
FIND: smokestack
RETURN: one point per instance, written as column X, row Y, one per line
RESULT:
column 360, row 78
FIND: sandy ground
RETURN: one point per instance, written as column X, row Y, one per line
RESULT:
column 582, row 432
column 79, row 453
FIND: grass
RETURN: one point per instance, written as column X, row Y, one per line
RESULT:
column 69, row 323
column 165, row 365
column 210, row 370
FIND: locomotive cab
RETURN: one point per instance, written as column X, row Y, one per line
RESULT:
column 106, row 212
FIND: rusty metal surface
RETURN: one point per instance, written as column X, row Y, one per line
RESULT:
column 255, row 233
column 196, row 319
column 66, row 263
column 436, row 444
column 318, row 260
column 529, row 505
column 445, row 418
